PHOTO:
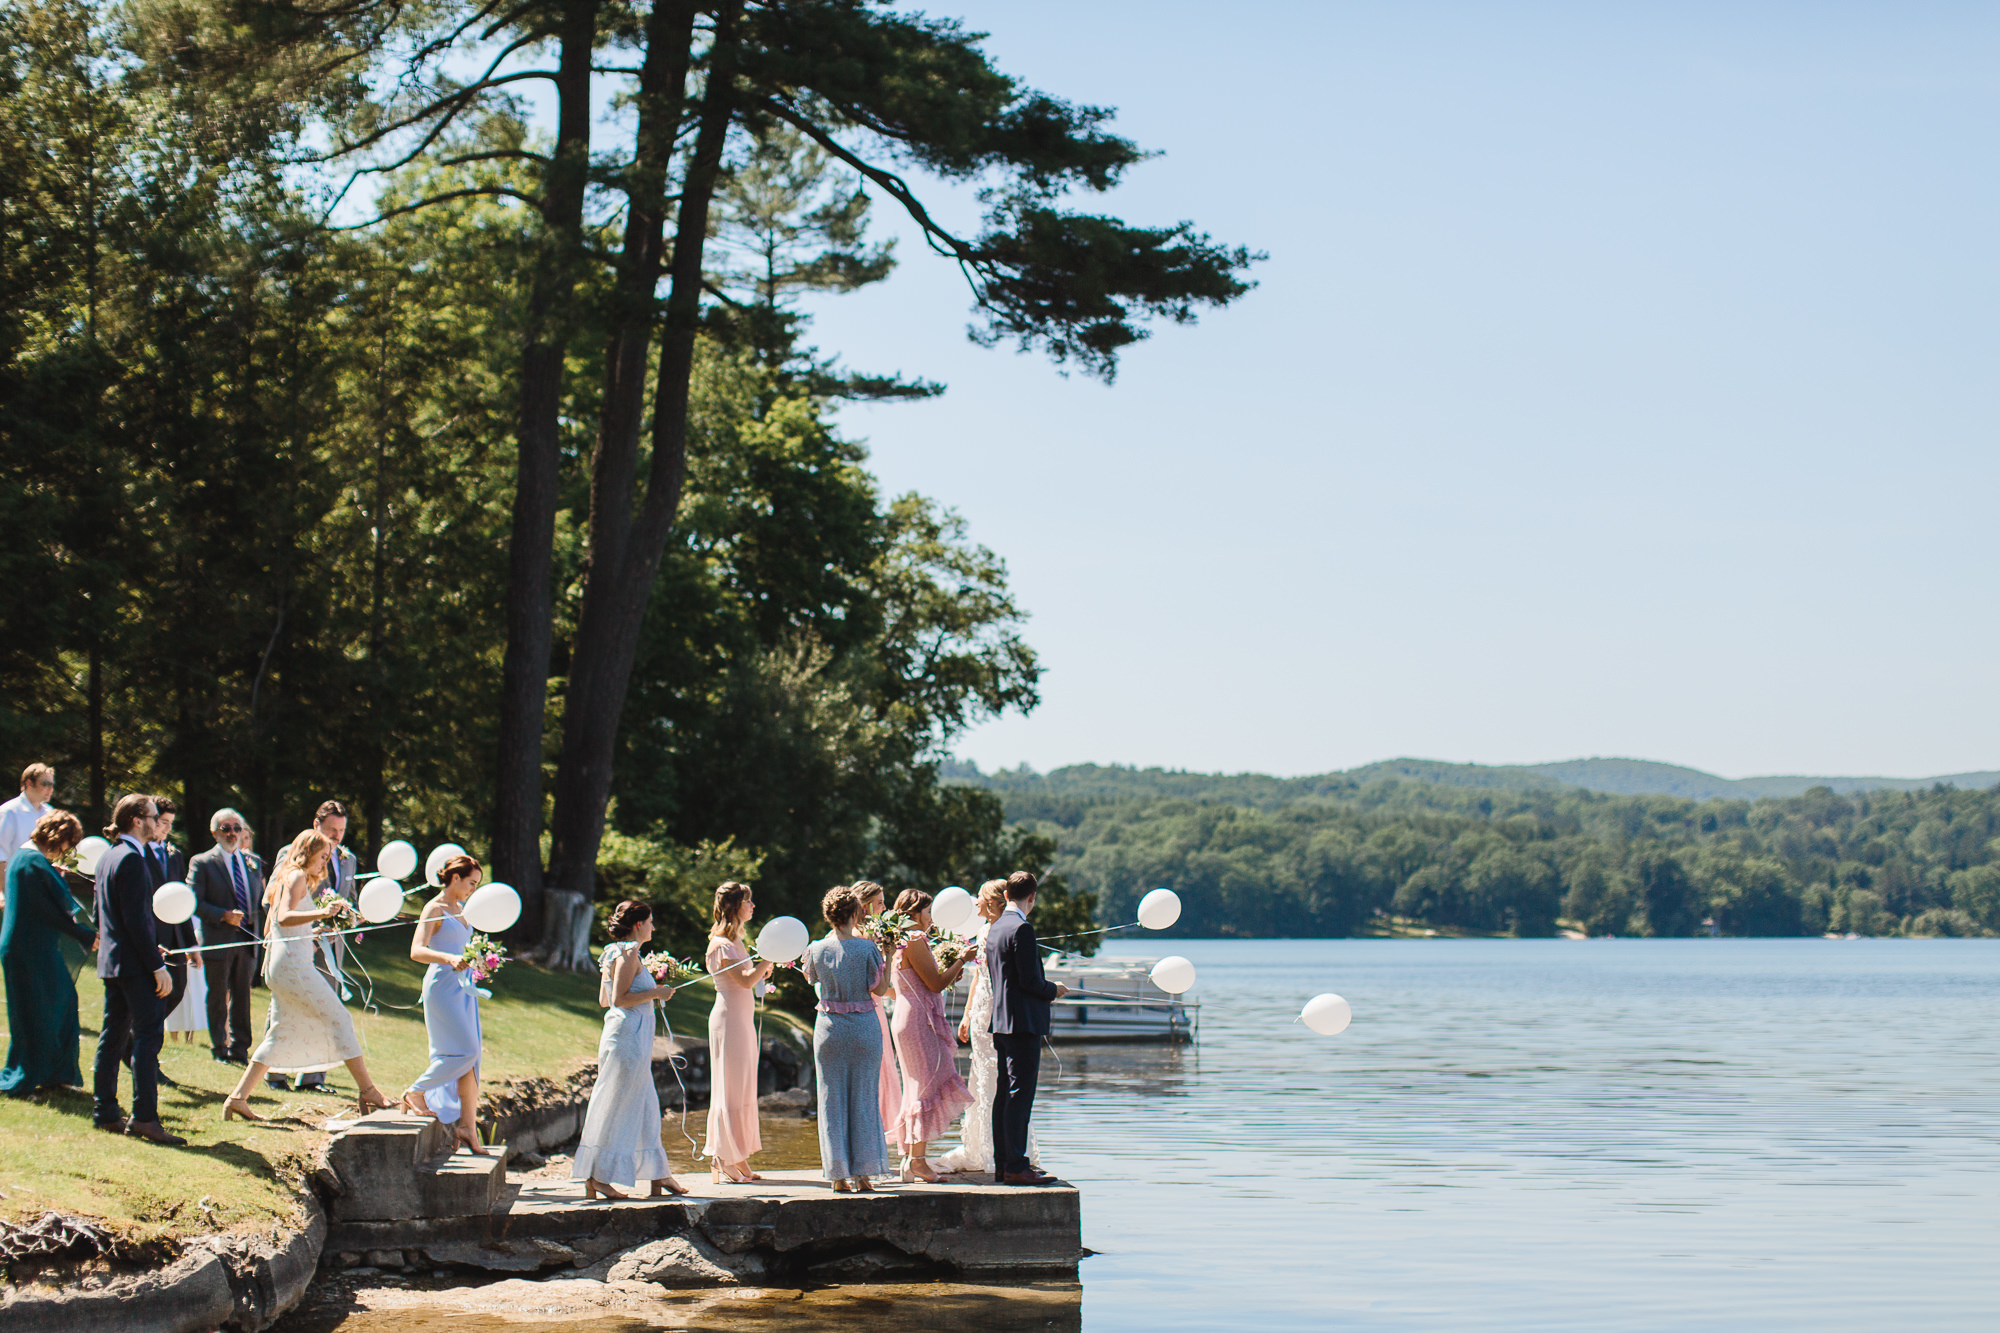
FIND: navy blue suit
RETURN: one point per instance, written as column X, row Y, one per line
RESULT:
column 128, row 954
column 1021, row 995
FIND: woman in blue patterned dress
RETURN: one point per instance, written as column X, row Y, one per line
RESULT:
column 848, row 971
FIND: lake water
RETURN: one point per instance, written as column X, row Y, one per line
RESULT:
column 1619, row 1134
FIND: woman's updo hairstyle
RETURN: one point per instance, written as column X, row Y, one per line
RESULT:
column 841, row 905
column 465, row 863
column 912, row 901
column 56, row 832
column 993, row 895
column 729, row 898
column 625, row 918
column 864, row 889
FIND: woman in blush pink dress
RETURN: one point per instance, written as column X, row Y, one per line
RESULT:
column 732, row 1040
column 890, row 1092
column 933, row 1093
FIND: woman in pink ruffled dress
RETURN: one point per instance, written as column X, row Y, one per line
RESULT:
column 933, row 1093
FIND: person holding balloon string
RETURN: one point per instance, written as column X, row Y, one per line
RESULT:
column 307, row 1030
column 620, row 1142
column 933, row 1093
column 448, row 1089
column 733, row 1133
column 889, row 1084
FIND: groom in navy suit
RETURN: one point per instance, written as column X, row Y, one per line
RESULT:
column 1021, row 995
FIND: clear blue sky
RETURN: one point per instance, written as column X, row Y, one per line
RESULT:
column 1622, row 382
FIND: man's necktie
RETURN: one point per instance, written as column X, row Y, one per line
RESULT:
column 242, row 887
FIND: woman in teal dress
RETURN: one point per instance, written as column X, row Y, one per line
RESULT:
column 41, row 994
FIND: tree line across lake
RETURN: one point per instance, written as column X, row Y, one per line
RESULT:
column 1332, row 856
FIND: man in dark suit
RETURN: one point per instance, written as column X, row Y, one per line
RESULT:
column 134, row 974
column 229, row 893
column 166, row 864
column 1021, row 995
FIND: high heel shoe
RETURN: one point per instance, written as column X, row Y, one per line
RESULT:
column 411, row 1104
column 238, row 1108
column 665, row 1186
column 594, row 1188
column 917, row 1168
column 863, row 1185
column 366, row 1103
column 843, row 1187
column 470, row 1142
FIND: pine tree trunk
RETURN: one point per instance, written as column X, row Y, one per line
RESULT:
column 517, row 796
column 625, row 548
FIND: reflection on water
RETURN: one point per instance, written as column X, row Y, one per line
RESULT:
column 1631, row 1134
column 1022, row 1307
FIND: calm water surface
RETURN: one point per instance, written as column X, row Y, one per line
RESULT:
column 1630, row 1134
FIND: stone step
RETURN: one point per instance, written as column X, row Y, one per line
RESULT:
column 375, row 1159
column 462, row 1184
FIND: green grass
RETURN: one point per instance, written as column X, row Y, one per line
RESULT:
column 243, row 1175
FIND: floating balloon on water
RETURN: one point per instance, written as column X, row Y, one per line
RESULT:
column 1327, row 1014
column 951, row 908
column 88, row 851
column 433, row 863
column 173, row 902
column 782, row 939
column 493, row 908
column 1173, row 974
column 1159, row 909
column 396, row 860
column 381, row 899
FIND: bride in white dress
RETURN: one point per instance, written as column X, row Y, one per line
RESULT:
column 975, row 1150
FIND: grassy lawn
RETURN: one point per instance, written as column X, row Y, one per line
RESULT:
column 237, row 1174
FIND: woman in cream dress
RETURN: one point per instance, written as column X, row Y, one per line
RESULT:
column 308, row 1030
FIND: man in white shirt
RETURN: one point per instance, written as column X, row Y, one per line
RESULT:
column 19, row 816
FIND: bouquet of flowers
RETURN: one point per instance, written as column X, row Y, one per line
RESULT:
column 667, row 970
column 887, row 929
column 949, row 948
column 483, row 957
column 341, row 912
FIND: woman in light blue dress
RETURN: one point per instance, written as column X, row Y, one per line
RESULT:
column 621, row 1131
column 847, row 970
column 449, row 1088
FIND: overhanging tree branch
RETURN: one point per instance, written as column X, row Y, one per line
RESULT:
column 446, row 197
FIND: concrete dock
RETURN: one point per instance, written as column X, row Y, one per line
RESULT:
column 397, row 1199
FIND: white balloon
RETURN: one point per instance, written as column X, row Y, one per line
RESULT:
column 782, row 939
column 433, row 863
column 1327, row 1014
column 173, row 902
column 1173, row 974
column 1159, row 909
column 396, row 859
column 951, row 908
column 493, row 908
column 88, row 851
column 381, row 899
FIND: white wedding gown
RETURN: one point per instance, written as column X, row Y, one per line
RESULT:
column 975, row 1150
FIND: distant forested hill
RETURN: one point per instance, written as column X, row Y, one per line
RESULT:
column 1516, row 850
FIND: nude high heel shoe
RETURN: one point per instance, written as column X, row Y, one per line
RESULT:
column 238, row 1108
column 593, row 1188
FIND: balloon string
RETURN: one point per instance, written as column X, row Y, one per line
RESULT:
column 322, row 934
column 674, row 1061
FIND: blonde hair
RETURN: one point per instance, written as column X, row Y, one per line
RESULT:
column 304, row 849
column 993, row 894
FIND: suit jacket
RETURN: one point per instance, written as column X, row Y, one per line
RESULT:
column 1021, row 993
column 126, row 944
column 176, row 935
column 215, row 893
